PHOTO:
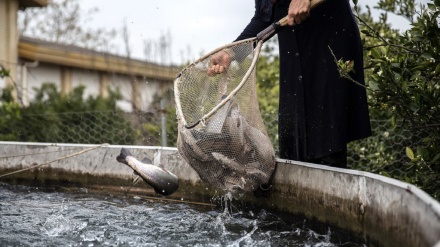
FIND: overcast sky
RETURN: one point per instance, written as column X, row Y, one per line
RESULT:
column 199, row 24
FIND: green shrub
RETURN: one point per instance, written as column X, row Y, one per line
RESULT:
column 54, row 117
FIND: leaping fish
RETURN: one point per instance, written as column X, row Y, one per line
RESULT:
column 163, row 181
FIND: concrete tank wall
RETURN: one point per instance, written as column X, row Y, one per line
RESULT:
column 383, row 209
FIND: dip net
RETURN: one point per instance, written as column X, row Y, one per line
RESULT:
column 221, row 131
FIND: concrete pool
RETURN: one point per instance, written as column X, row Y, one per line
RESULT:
column 385, row 210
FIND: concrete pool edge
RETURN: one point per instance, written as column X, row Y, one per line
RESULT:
column 391, row 211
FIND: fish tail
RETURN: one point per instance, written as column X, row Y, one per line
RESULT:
column 122, row 157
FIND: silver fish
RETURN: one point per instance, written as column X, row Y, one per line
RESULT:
column 163, row 181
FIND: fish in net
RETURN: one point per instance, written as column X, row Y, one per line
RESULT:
column 230, row 148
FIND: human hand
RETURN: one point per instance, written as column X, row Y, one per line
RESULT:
column 298, row 12
column 219, row 63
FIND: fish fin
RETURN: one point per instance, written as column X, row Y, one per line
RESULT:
column 123, row 155
column 136, row 180
column 146, row 160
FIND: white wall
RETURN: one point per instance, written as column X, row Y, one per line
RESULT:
column 148, row 89
column 41, row 74
column 89, row 79
column 52, row 73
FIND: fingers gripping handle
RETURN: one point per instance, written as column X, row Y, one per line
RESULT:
column 268, row 32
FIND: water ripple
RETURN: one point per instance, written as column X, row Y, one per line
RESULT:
column 31, row 217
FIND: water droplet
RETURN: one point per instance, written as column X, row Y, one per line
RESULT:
column 56, row 225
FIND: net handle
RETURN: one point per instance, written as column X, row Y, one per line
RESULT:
column 177, row 100
column 268, row 32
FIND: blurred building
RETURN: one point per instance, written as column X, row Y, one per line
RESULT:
column 32, row 62
column 70, row 66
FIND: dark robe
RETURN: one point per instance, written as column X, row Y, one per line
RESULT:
column 319, row 112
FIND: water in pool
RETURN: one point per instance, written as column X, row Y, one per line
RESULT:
column 32, row 217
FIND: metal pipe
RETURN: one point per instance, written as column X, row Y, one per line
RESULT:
column 163, row 122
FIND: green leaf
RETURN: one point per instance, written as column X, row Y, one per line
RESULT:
column 375, row 53
column 436, row 158
column 393, row 121
column 427, row 140
column 4, row 72
column 409, row 153
column 373, row 85
column 427, row 56
column 437, row 70
column 423, row 152
column 366, row 32
column 375, row 77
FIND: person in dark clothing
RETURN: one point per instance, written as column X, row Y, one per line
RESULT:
column 319, row 112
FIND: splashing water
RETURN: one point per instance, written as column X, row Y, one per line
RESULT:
column 56, row 225
column 31, row 217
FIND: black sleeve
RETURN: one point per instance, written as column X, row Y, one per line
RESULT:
column 262, row 18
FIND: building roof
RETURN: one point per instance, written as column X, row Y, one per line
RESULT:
column 31, row 3
column 74, row 56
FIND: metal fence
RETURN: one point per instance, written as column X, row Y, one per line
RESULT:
column 92, row 127
column 385, row 147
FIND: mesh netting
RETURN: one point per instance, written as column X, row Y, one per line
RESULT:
column 221, row 132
